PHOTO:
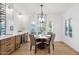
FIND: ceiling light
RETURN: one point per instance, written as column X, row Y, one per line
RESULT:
column 42, row 15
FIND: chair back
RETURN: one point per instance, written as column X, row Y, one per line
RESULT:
column 49, row 33
column 32, row 39
column 33, row 33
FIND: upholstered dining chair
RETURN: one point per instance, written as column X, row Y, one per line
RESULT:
column 50, row 41
column 33, row 42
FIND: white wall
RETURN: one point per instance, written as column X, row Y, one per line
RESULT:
column 57, row 20
column 21, row 22
column 74, row 13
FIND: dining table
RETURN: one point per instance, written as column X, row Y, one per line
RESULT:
column 42, row 39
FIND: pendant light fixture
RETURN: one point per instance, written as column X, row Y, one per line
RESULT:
column 41, row 11
column 42, row 14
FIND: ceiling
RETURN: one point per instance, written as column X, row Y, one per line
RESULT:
column 47, row 8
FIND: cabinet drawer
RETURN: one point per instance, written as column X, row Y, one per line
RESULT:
column 17, row 41
column 3, row 53
column 12, row 46
column 5, row 41
column 13, row 41
column 3, row 47
column 3, row 50
column 7, row 49
column 7, row 46
column 10, row 49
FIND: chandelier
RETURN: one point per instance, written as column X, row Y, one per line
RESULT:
column 41, row 15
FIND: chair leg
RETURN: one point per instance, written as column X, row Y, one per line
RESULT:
column 35, row 49
column 49, row 48
column 30, row 47
column 53, row 47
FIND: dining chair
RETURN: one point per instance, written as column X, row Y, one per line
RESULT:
column 33, row 42
column 49, row 40
column 52, row 42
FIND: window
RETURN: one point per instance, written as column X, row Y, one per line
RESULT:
column 33, row 27
column 42, row 25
